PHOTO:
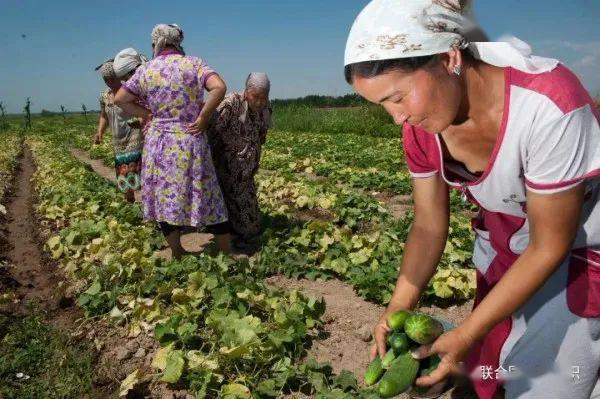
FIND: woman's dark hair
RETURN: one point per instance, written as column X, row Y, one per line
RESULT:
column 370, row 69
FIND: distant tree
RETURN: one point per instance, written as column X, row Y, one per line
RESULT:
column 83, row 107
column 2, row 109
column 45, row 112
column 64, row 112
column 318, row 101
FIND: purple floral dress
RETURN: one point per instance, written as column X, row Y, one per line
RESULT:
column 179, row 184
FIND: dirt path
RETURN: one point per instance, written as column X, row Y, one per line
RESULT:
column 26, row 263
column 349, row 319
column 33, row 277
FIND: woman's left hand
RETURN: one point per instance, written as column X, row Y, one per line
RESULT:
column 198, row 126
column 451, row 347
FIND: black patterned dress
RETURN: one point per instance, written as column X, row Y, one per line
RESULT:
column 236, row 135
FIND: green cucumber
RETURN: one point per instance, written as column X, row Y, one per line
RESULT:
column 400, row 376
column 423, row 329
column 397, row 319
column 374, row 372
column 388, row 359
column 398, row 342
column 427, row 367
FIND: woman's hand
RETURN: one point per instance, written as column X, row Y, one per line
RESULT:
column 380, row 333
column 98, row 138
column 146, row 120
column 451, row 347
column 198, row 126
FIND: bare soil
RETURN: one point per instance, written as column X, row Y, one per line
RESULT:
column 30, row 275
column 398, row 205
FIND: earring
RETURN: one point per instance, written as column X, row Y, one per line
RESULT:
column 456, row 70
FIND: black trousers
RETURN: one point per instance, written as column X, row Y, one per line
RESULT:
column 216, row 229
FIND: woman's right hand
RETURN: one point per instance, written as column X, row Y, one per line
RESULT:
column 198, row 126
column 98, row 138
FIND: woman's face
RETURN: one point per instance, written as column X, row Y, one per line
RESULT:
column 113, row 83
column 428, row 98
column 257, row 99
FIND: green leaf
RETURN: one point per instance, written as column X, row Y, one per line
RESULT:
column 174, row 367
column 128, row 383
column 235, row 391
column 94, row 289
column 198, row 361
column 53, row 242
column 160, row 359
column 73, row 238
column 442, row 290
column 346, row 381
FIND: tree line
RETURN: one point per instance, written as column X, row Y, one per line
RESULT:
column 317, row 101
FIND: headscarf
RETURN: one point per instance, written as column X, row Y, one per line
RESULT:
column 390, row 29
column 167, row 35
column 258, row 81
column 106, row 69
column 127, row 60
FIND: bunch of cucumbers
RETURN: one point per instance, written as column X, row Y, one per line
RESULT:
column 397, row 371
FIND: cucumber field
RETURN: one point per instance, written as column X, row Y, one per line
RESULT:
column 114, row 316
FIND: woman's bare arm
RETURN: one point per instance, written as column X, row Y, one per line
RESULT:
column 553, row 221
column 216, row 88
column 422, row 251
column 128, row 103
column 102, row 124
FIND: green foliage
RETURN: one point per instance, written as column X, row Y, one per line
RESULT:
column 12, row 145
column 38, row 361
column 217, row 322
column 316, row 101
column 368, row 120
column 222, row 331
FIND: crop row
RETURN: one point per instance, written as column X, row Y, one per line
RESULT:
column 320, row 229
column 12, row 148
column 222, row 331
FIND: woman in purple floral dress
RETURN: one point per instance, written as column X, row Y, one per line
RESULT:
column 179, row 184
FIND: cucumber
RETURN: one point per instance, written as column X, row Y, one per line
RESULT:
column 398, row 342
column 374, row 372
column 399, row 377
column 427, row 366
column 422, row 328
column 397, row 319
column 387, row 360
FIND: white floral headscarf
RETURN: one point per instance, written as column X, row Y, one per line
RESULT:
column 167, row 35
column 390, row 29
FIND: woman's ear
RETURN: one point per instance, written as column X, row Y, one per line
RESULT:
column 453, row 62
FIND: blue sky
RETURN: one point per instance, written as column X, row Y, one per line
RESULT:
column 300, row 44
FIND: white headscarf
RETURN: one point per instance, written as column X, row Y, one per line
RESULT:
column 167, row 35
column 127, row 60
column 390, row 29
column 258, row 81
